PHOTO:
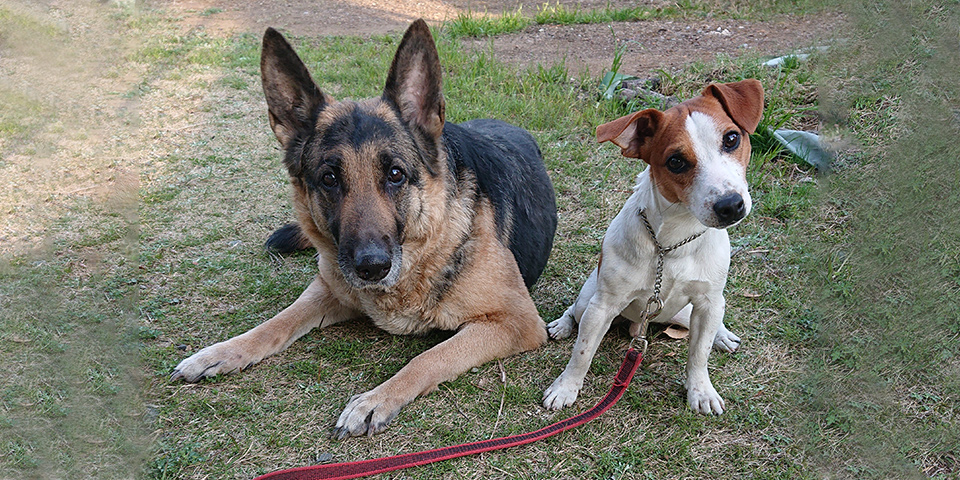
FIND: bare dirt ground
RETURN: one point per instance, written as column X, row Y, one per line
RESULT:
column 350, row 17
column 650, row 45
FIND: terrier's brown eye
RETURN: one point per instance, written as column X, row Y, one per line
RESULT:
column 677, row 164
column 731, row 141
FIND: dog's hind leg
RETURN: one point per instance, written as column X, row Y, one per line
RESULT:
column 477, row 342
column 563, row 326
column 315, row 307
column 725, row 341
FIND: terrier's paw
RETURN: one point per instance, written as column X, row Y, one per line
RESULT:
column 703, row 398
column 366, row 414
column 561, row 394
column 562, row 327
column 726, row 341
column 223, row 357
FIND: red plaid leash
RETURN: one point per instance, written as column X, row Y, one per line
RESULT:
column 343, row 471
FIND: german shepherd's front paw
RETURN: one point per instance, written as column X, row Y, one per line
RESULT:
column 223, row 357
column 366, row 414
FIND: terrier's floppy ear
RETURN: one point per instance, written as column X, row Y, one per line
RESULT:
column 742, row 101
column 414, row 81
column 630, row 132
column 293, row 99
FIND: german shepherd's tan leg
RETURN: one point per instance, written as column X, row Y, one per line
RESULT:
column 477, row 342
column 315, row 307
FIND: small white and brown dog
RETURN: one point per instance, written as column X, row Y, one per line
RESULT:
column 695, row 184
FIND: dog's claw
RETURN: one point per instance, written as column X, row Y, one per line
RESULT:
column 179, row 375
column 704, row 399
column 560, row 394
column 210, row 362
column 366, row 414
column 562, row 327
column 726, row 341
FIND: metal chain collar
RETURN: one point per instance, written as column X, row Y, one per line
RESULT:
column 655, row 301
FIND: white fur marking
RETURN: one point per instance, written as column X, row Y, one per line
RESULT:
column 718, row 173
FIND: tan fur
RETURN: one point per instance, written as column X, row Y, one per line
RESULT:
column 487, row 303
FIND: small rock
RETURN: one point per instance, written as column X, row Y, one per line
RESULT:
column 642, row 83
column 649, row 96
column 324, row 457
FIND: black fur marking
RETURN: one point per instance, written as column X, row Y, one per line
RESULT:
column 356, row 129
column 288, row 239
column 333, row 224
column 448, row 276
column 425, row 144
column 293, row 156
column 509, row 170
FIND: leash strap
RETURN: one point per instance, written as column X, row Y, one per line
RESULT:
column 343, row 471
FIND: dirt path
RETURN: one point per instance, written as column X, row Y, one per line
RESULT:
column 650, row 45
column 349, row 17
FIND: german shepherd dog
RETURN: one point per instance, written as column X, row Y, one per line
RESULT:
column 418, row 224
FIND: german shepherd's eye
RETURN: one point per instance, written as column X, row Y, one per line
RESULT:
column 731, row 140
column 677, row 164
column 330, row 180
column 396, row 176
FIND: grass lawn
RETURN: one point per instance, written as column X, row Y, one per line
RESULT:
column 140, row 179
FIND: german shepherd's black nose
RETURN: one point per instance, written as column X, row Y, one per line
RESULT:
column 729, row 209
column 371, row 263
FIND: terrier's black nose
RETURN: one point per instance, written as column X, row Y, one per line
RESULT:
column 729, row 209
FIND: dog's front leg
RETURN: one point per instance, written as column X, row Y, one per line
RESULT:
column 595, row 322
column 314, row 307
column 476, row 343
column 705, row 320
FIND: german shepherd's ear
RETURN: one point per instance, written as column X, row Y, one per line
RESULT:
column 293, row 99
column 742, row 101
column 630, row 132
column 414, row 84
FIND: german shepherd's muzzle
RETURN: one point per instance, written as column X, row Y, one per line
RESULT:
column 419, row 224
